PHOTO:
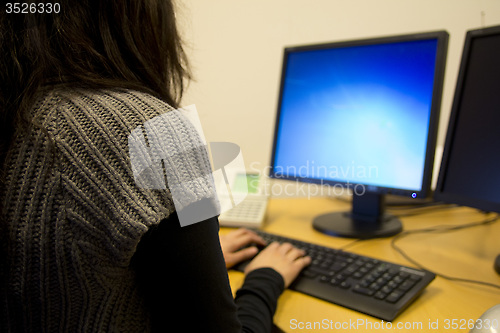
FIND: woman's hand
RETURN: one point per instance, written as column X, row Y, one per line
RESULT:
column 233, row 242
column 283, row 258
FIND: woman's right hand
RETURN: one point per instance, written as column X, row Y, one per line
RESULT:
column 283, row 258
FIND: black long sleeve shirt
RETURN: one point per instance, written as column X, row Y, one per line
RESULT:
column 182, row 275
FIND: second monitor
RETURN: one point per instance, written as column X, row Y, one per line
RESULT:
column 363, row 115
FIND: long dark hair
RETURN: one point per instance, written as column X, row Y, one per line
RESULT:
column 130, row 44
column 96, row 44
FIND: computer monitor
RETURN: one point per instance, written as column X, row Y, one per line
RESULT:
column 363, row 115
column 470, row 167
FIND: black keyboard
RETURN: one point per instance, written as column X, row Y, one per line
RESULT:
column 378, row 288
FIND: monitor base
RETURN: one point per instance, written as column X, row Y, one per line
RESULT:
column 342, row 224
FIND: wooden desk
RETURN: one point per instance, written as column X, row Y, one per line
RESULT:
column 466, row 253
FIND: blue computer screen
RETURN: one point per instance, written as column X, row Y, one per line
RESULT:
column 357, row 114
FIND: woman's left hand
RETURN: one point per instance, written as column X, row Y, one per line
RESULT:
column 234, row 244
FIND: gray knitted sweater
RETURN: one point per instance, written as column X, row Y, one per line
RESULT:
column 76, row 214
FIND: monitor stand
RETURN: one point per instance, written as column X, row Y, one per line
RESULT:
column 366, row 220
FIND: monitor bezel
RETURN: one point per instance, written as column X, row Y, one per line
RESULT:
column 439, row 193
column 441, row 52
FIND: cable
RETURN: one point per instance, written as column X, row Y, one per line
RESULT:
column 417, row 205
column 416, row 209
column 443, row 229
column 348, row 245
column 423, row 209
column 430, row 208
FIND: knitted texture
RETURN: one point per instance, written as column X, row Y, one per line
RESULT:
column 76, row 214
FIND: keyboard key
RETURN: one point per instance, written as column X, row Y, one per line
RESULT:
column 363, row 291
column 345, row 284
column 397, row 279
column 392, row 284
column 365, row 270
column 349, row 270
column 386, row 289
column 309, row 274
column 382, row 281
column 415, row 277
column 319, row 270
column 337, row 267
column 364, row 283
column 370, row 278
column 407, row 285
column 335, row 282
column 340, row 277
column 394, row 296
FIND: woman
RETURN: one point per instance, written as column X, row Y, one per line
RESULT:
column 86, row 249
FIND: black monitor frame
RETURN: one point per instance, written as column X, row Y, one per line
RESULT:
column 367, row 218
column 440, row 194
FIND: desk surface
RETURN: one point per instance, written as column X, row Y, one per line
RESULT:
column 465, row 253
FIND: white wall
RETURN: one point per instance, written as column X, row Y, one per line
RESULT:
column 235, row 48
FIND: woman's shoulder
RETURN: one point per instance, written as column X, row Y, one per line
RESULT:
column 122, row 103
column 112, row 113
